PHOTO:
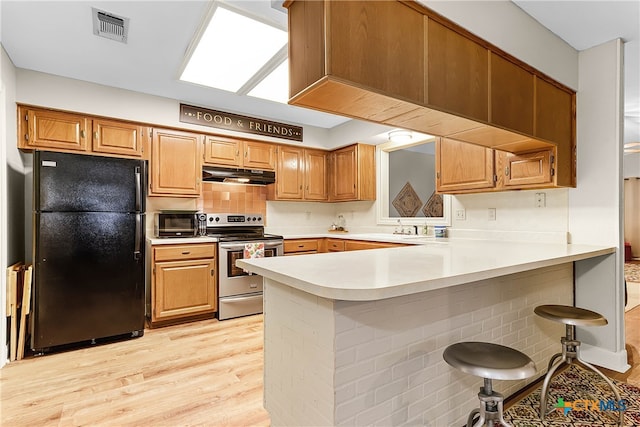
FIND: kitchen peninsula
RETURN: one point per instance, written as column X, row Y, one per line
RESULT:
column 356, row 338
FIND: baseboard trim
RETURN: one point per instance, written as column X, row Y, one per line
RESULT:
column 616, row 361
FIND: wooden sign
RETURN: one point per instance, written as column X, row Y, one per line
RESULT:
column 236, row 122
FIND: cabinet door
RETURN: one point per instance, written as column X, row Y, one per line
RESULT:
column 369, row 44
column 121, row 138
column 531, row 169
column 315, row 175
column 223, row 151
column 290, row 173
column 183, row 288
column 299, row 246
column 511, row 96
column 176, row 168
column 458, row 71
column 259, row 155
column 335, row 245
column 463, row 166
column 344, row 174
column 57, row 130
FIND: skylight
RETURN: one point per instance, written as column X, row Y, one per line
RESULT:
column 275, row 86
column 232, row 54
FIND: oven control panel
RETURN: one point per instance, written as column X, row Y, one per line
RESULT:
column 215, row 220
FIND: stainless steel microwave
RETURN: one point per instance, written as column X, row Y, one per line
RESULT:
column 178, row 224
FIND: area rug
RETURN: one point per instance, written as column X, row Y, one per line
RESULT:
column 632, row 272
column 581, row 399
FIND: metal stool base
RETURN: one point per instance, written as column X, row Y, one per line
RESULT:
column 491, row 407
column 570, row 352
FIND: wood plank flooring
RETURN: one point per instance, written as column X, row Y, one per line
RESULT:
column 205, row 373
column 201, row 373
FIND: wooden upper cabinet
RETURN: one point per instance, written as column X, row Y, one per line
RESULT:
column 458, row 72
column 259, row 155
column 511, row 95
column 525, row 170
column 401, row 64
column 463, row 166
column 301, row 174
column 176, row 163
column 379, row 45
column 353, row 173
column 223, row 151
column 555, row 121
column 315, row 187
column 232, row 152
column 289, row 174
column 56, row 130
column 114, row 137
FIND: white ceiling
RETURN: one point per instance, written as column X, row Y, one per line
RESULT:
column 56, row 37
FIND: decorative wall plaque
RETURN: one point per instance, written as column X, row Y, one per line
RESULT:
column 236, row 122
column 407, row 202
column 434, row 206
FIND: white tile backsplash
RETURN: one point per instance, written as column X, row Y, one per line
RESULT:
column 517, row 218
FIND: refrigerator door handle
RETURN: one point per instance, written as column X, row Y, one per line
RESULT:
column 137, row 252
column 138, row 189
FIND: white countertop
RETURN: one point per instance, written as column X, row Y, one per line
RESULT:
column 436, row 263
column 374, row 237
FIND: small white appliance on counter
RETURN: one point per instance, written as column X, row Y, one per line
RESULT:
column 240, row 236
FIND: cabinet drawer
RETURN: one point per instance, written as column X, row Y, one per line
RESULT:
column 291, row 246
column 178, row 252
column 335, row 245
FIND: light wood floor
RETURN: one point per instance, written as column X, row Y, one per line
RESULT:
column 203, row 373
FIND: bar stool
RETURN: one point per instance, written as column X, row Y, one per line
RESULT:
column 491, row 362
column 571, row 317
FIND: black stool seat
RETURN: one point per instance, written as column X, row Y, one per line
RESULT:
column 488, row 360
column 570, row 315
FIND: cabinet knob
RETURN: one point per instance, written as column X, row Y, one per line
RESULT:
column 506, row 171
column 95, row 135
column 82, row 134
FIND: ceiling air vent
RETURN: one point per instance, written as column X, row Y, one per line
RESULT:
column 110, row 26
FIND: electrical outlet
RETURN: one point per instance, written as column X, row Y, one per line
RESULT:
column 461, row 215
column 492, row 214
column 541, row 200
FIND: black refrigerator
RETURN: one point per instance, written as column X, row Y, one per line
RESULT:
column 88, row 252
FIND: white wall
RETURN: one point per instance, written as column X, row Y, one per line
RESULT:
column 631, row 165
column 595, row 206
column 12, row 187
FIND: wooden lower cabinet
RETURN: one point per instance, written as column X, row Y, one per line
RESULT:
column 301, row 246
column 322, row 245
column 183, row 283
column 359, row 245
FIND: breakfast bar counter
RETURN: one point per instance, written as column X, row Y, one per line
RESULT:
column 356, row 338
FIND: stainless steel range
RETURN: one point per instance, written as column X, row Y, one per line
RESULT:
column 240, row 236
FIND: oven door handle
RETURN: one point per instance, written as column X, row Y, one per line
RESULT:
column 242, row 298
column 240, row 246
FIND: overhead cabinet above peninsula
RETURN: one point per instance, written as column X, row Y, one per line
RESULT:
column 401, row 64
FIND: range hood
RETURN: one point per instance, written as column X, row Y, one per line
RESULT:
column 238, row 176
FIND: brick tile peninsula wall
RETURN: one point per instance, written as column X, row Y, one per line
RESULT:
column 388, row 353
